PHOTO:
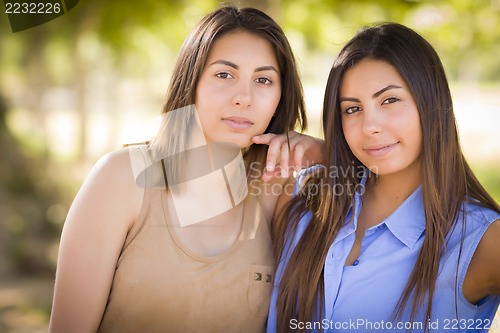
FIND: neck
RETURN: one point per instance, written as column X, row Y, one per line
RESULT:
column 396, row 187
column 385, row 193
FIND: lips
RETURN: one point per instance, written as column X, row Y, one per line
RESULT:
column 380, row 149
column 238, row 123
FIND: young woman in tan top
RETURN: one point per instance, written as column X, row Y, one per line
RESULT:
column 135, row 255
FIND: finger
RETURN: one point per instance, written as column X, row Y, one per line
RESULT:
column 270, row 175
column 268, row 137
column 272, row 153
column 284, row 159
column 292, row 134
column 298, row 156
column 294, row 138
column 263, row 138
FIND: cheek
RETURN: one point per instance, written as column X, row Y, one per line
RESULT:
column 202, row 95
column 415, row 133
column 272, row 98
column 206, row 91
column 263, row 120
column 350, row 136
column 267, row 106
column 418, row 140
column 205, row 102
column 205, row 114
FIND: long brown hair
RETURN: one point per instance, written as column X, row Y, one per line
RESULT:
column 447, row 178
column 190, row 63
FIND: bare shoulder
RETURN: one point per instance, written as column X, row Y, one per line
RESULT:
column 489, row 246
column 483, row 275
column 115, row 168
column 116, row 165
column 487, row 253
column 111, row 182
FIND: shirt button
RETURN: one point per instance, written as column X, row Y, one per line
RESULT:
column 356, row 262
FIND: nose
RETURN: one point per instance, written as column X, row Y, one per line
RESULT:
column 242, row 96
column 372, row 121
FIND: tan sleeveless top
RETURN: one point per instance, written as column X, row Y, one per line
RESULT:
column 161, row 286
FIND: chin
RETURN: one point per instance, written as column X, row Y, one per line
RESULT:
column 385, row 170
column 239, row 140
column 244, row 144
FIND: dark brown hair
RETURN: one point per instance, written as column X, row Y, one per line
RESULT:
column 191, row 59
column 447, row 178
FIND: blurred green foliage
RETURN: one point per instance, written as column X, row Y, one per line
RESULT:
column 465, row 33
column 489, row 177
column 31, row 207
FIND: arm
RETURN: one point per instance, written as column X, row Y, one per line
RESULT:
column 286, row 195
column 300, row 149
column 303, row 150
column 92, row 238
column 483, row 275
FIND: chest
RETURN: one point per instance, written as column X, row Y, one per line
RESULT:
column 371, row 287
column 161, row 280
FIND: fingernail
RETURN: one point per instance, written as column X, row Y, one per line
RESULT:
column 270, row 166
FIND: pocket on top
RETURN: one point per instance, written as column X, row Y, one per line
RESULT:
column 260, row 289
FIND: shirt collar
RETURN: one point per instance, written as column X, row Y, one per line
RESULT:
column 407, row 222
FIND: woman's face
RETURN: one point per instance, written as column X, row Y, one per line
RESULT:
column 239, row 88
column 380, row 118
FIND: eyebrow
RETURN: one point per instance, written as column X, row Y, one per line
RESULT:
column 266, row 68
column 381, row 91
column 233, row 65
column 375, row 95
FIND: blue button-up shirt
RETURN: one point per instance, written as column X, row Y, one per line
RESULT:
column 362, row 297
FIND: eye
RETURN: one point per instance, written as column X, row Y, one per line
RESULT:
column 352, row 109
column 390, row 100
column 263, row 80
column 224, row 75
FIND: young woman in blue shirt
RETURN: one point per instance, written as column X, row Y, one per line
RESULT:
column 394, row 233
